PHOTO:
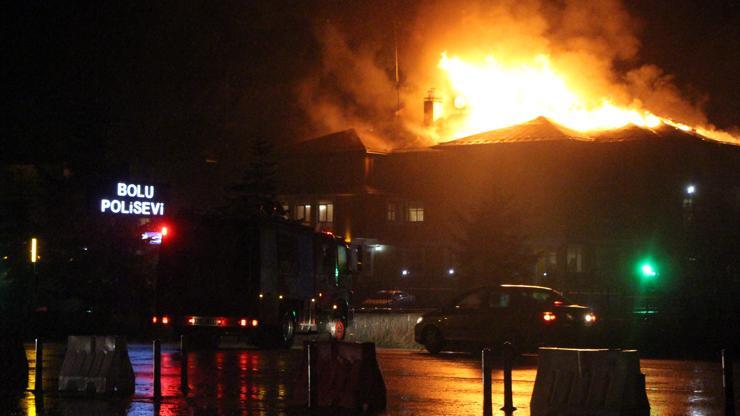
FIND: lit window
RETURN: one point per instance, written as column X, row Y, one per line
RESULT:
column 303, row 212
column 326, row 212
column 416, row 212
column 391, row 213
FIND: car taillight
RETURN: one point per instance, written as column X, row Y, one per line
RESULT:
column 191, row 320
column 243, row 322
column 165, row 320
column 548, row 316
column 219, row 322
column 154, row 319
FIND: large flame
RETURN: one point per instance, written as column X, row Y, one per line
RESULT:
column 488, row 94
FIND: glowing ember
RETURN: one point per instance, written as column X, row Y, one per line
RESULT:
column 490, row 94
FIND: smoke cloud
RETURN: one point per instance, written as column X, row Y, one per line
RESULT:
column 595, row 43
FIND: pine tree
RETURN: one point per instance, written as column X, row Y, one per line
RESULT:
column 255, row 193
column 491, row 245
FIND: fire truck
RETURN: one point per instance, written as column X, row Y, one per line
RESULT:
column 264, row 278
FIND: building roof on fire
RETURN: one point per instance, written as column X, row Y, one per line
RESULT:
column 543, row 129
column 539, row 129
column 343, row 141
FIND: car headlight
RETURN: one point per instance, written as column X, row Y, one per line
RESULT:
column 590, row 318
column 419, row 319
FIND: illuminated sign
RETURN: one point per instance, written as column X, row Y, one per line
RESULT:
column 138, row 201
column 152, row 237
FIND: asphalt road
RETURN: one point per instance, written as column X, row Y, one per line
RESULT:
column 242, row 381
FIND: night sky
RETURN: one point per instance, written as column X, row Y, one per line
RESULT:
column 178, row 82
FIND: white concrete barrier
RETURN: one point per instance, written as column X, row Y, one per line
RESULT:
column 390, row 329
column 96, row 364
column 589, row 382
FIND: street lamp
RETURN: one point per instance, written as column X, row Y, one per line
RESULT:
column 34, row 250
column 691, row 189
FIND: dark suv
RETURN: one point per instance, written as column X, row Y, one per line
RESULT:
column 528, row 316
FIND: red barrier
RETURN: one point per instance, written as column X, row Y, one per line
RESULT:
column 344, row 375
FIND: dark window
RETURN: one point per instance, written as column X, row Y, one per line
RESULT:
column 498, row 300
column 391, row 211
column 575, row 258
column 472, row 301
column 543, row 297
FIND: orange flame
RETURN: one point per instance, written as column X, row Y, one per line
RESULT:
column 488, row 94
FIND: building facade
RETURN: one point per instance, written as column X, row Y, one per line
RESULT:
column 593, row 207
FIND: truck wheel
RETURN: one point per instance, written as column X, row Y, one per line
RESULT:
column 287, row 330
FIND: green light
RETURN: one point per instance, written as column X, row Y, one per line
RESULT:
column 647, row 270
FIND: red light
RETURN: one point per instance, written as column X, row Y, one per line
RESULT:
column 243, row 322
column 219, row 322
column 191, row 320
column 164, row 231
column 548, row 316
column 154, row 319
column 165, row 320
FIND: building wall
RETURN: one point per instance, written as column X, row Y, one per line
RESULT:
column 593, row 209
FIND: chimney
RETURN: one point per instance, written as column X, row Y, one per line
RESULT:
column 430, row 107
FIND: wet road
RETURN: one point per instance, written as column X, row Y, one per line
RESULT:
column 253, row 382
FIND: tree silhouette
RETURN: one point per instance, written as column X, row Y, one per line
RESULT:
column 255, row 193
column 491, row 245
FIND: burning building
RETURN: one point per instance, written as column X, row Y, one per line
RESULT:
column 593, row 205
column 604, row 159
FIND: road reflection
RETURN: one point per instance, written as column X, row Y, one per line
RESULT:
column 253, row 382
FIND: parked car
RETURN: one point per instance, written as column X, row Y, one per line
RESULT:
column 527, row 316
column 388, row 299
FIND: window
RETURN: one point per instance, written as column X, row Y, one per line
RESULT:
column 342, row 259
column 498, row 300
column 303, row 212
column 326, row 212
column 574, row 259
column 541, row 297
column 286, row 210
column 415, row 212
column 547, row 262
column 472, row 301
column 391, row 212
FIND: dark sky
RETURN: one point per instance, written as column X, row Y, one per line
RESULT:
column 181, row 81
column 698, row 42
